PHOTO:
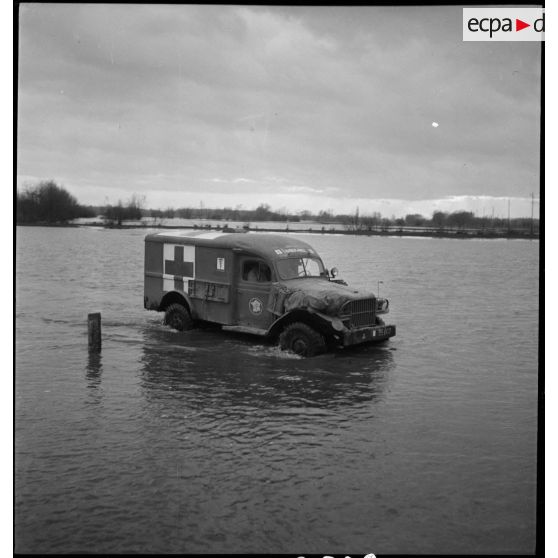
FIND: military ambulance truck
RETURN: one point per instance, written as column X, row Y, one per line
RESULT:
column 265, row 284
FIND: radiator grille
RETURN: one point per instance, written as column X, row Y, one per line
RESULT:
column 359, row 313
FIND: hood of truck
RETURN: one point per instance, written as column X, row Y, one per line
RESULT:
column 318, row 294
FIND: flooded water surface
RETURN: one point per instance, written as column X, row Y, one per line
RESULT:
column 213, row 442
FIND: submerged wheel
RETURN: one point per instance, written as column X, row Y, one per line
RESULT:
column 302, row 340
column 178, row 317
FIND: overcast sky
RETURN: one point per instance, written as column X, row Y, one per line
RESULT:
column 301, row 108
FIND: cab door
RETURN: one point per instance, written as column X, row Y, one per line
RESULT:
column 254, row 278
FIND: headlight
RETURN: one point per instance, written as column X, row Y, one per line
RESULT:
column 382, row 304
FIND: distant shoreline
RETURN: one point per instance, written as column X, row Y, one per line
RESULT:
column 395, row 231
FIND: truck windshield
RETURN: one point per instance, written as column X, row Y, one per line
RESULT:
column 291, row 268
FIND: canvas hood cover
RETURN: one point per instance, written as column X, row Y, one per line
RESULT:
column 316, row 294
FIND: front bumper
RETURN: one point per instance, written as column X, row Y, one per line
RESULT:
column 366, row 334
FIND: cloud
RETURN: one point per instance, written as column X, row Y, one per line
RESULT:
column 181, row 98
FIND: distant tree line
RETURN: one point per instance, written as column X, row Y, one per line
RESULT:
column 441, row 220
column 262, row 213
column 131, row 211
column 48, row 202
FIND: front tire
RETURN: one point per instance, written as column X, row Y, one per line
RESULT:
column 302, row 340
column 178, row 317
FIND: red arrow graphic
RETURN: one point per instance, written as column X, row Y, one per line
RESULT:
column 519, row 25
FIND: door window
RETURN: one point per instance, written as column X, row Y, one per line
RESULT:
column 256, row 271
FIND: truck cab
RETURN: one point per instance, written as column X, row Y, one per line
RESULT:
column 264, row 284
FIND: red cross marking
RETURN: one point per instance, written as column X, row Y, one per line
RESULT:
column 179, row 268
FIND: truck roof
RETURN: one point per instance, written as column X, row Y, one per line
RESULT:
column 263, row 244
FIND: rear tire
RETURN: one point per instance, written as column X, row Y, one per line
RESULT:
column 302, row 340
column 178, row 317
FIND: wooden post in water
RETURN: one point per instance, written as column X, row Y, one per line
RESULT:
column 94, row 331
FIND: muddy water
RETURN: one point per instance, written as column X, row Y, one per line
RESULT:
column 208, row 441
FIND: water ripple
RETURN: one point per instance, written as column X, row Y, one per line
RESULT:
column 205, row 441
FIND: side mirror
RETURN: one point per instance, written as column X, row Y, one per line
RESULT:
column 334, row 272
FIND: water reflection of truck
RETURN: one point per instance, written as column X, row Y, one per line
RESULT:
column 264, row 284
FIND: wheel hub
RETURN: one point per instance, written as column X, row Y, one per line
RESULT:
column 299, row 346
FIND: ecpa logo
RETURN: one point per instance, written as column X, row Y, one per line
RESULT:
column 503, row 24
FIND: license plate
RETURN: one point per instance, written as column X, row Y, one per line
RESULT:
column 380, row 331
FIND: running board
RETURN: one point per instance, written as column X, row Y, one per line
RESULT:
column 245, row 329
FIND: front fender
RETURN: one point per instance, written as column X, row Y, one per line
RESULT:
column 326, row 325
